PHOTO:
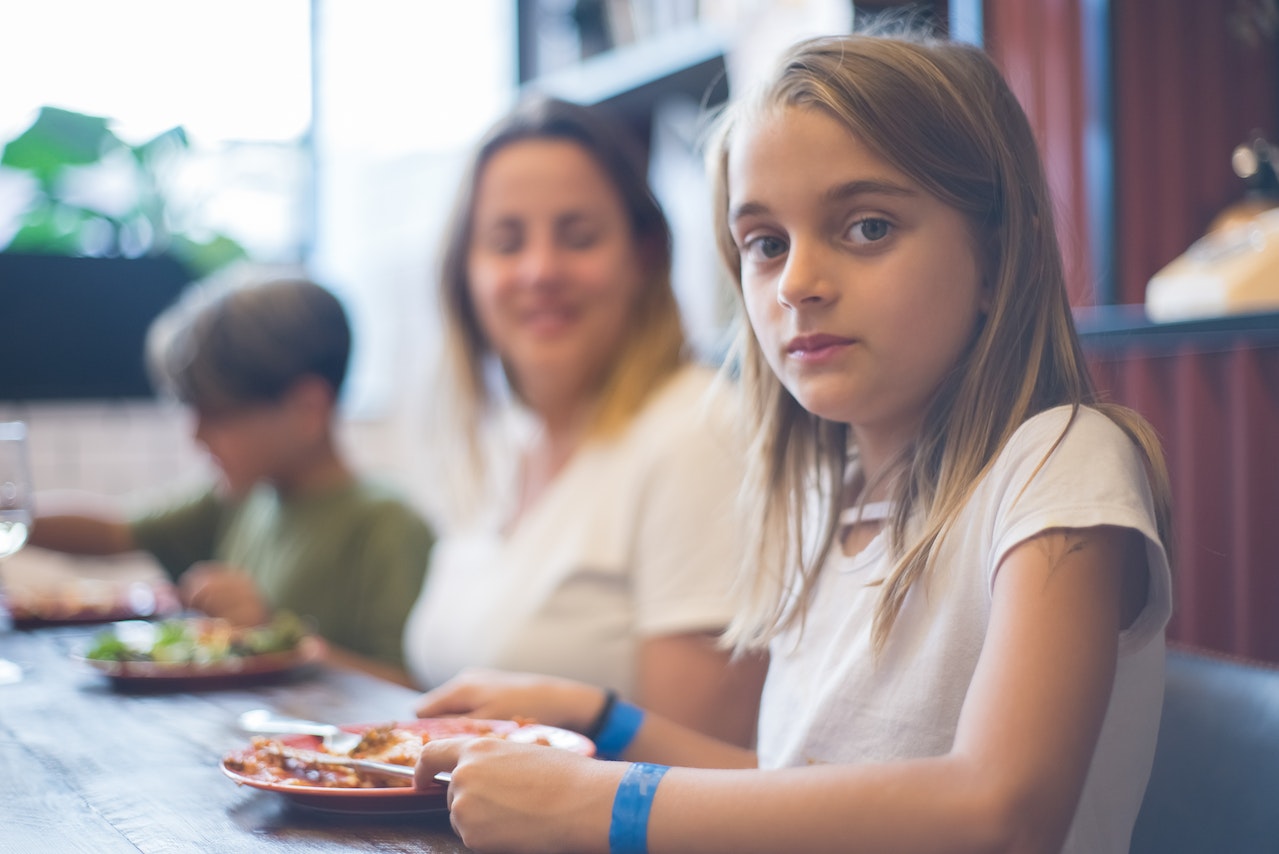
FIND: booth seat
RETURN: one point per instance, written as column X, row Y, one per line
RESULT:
column 1214, row 786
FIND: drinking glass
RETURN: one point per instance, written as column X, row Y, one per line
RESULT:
column 15, row 487
column 15, row 509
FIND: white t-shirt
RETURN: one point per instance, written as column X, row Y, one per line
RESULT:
column 827, row 701
column 635, row 538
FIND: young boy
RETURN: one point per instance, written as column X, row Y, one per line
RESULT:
column 290, row 526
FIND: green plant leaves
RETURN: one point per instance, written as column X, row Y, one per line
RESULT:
column 58, row 143
column 57, row 139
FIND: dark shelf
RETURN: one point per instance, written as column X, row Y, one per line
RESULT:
column 1123, row 327
column 631, row 79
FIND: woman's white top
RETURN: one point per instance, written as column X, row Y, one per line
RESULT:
column 635, row 538
column 826, row 700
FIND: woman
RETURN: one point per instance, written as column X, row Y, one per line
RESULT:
column 602, row 544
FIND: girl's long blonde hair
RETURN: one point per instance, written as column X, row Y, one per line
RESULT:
column 942, row 114
column 472, row 384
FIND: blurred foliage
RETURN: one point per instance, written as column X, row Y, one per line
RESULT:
column 61, row 145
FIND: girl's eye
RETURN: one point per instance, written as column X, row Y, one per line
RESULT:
column 764, row 248
column 869, row 230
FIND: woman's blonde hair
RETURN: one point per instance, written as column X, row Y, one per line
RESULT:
column 942, row 114
column 654, row 346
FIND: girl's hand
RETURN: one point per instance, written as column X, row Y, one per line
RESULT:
column 221, row 590
column 501, row 695
column 507, row 796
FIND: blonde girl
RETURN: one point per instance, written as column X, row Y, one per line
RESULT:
column 959, row 565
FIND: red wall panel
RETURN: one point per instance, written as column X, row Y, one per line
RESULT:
column 1217, row 412
column 1048, row 78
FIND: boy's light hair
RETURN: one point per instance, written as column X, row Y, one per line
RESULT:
column 229, row 343
column 472, row 385
column 942, row 114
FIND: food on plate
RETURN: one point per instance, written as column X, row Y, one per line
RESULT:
column 197, row 641
column 283, row 762
column 88, row 600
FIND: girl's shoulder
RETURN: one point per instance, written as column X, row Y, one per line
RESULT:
column 1075, row 454
column 1066, row 427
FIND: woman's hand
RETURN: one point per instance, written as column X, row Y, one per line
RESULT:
column 501, row 695
column 507, row 796
column 221, row 590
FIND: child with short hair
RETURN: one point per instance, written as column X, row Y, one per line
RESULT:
column 960, row 565
column 290, row 526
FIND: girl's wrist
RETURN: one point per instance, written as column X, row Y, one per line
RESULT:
column 632, row 806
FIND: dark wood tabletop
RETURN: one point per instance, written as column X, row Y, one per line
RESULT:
column 86, row 767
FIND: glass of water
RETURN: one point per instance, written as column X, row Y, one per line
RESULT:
column 15, row 487
column 15, row 509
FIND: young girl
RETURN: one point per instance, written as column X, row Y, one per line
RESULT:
column 959, row 567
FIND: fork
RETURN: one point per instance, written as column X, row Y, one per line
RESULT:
column 387, row 768
column 336, row 741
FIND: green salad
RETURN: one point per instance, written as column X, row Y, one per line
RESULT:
column 199, row 640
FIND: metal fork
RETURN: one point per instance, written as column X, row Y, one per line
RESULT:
column 387, row 768
column 336, row 740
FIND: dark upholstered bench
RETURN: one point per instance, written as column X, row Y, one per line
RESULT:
column 1214, row 788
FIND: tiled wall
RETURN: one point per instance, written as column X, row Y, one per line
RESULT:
column 110, row 448
column 136, row 448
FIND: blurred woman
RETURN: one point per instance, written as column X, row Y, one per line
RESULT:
column 592, row 466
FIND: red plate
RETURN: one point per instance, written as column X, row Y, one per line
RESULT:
column 401, row 799
column 227, row 673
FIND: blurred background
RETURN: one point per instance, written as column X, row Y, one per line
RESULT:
column 147, row 143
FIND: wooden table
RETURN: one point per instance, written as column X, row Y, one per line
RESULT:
column 87, row 768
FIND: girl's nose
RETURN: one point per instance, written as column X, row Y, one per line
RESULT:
column 804, row 281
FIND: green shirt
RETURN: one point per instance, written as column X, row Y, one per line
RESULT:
column 352, row 560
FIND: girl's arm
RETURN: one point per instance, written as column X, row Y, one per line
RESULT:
column 1012, row 781
column 1026, row 734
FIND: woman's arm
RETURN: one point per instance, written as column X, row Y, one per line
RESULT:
column 691, row 680
column 481, row 693
column 1011, row 783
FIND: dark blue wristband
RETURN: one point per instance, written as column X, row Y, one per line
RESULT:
column 628, row 831
column 618, row 729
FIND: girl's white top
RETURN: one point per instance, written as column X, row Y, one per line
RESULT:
column 635, row 538
column 827, row 700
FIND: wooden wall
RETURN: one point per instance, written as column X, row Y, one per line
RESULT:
column 1190, row 80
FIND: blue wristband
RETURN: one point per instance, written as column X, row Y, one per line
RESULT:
column 628, row 831
column 618, row 729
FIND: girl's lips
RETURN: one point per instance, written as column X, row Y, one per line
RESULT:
column 815, row 346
